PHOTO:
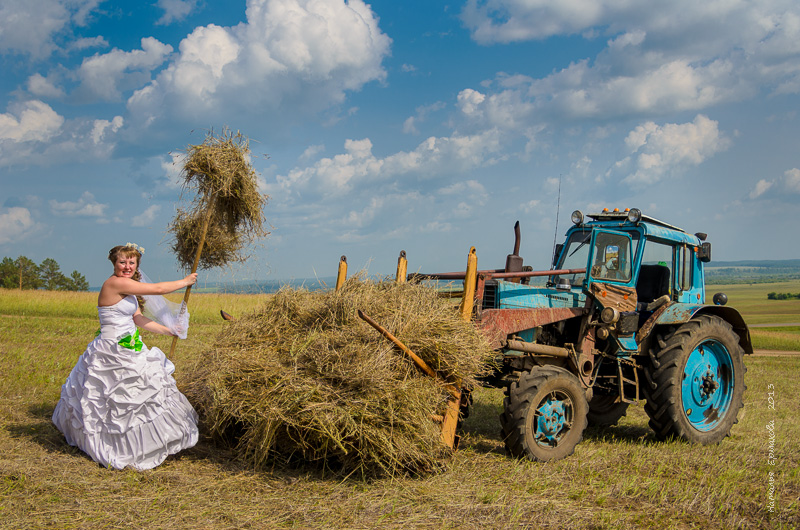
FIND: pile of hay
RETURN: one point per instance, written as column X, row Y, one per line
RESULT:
column 305, row 378
column 219, row 170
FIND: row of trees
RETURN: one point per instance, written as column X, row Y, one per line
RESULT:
column 783, row 296
column 24, row 273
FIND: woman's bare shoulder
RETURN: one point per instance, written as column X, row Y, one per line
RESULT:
column 110, row 292
column 114, row 283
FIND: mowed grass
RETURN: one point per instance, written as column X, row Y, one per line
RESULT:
column 619, row 477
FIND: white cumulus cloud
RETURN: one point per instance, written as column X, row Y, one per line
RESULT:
column 175, row 10
column 146, row 217
column 43, row 87
column 359, row 166
column 106, row 75
column 760, row 188
column 34, row 134
column 31, row 26
column 30, row 121
column 101, row 128
column 85, row 206
column 656, row 150
column 308, row 52
column 683, row 56
column 15, row 224
column 792, row 180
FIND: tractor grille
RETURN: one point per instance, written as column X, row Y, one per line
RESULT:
column 489, row 295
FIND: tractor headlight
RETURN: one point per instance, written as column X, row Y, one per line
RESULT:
column 577, row 217
column 635, row 215
column 609, row 315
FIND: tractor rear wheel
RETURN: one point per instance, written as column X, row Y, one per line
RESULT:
column 696, row 381
column 544, row 414
column 605, row 410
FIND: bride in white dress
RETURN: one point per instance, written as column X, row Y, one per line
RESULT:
column 120, row 404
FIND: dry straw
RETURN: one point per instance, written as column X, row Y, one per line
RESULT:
column 220, row 172
column 221, row 245
column 303, row 378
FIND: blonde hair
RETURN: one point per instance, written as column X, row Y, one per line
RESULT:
column 128, row 252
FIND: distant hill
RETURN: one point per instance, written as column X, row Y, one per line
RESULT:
column 752, row 271
column 264, row 287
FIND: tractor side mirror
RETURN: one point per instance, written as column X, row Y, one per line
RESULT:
column 704, row 252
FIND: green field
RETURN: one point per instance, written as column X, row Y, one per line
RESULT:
column 619, row 477
column 759, row 313
column 751, row 301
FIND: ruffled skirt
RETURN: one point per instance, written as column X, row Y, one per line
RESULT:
column 122, row 407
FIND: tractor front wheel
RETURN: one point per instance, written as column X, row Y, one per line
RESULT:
column 544, row 414
column 695, row 382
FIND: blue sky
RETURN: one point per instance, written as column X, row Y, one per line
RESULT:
column 416, row 125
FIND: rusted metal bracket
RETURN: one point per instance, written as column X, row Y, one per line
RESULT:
column 498, row 324
column 647, row 327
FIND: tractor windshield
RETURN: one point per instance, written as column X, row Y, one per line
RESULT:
column 574, row 256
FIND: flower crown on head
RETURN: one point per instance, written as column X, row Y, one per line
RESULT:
column 135, row 247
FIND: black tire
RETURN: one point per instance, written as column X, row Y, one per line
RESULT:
column 545, row 393
column 605, row 411
column 695, row 381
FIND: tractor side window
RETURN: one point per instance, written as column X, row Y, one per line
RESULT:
column 656, row 253
column 612, row 257
column 684, row 256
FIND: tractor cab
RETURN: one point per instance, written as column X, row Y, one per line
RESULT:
column 635, row 265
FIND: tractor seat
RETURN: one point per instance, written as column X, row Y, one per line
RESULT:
column 653, row 283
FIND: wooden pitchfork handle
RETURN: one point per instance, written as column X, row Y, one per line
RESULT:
column 422, row 365
column 206, row 222
column 449, row 419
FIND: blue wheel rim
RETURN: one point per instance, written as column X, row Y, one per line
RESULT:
column 552, row 419
column 707, row 386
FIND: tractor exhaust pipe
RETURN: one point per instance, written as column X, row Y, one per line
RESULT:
column 514, row 260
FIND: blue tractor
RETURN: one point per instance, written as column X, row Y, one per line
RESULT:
column 622, row 317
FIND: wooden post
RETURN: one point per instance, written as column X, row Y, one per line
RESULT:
column 402, row 268
column 342, row 274
column 470, row 280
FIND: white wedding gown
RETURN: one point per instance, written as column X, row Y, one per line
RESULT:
column 121, row 406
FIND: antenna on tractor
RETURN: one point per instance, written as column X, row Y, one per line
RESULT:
column 558, row 209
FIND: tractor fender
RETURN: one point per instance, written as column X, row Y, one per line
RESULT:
column 678, row 313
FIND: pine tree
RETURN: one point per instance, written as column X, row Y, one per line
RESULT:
column 76, row 282
column 27, row 273
column 8, row 274
column 50, row 274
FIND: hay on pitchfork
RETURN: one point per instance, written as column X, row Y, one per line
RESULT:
column 221, row 245
column 219, row 170
column 304, row 377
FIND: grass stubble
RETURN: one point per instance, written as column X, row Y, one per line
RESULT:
column 619, row 477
